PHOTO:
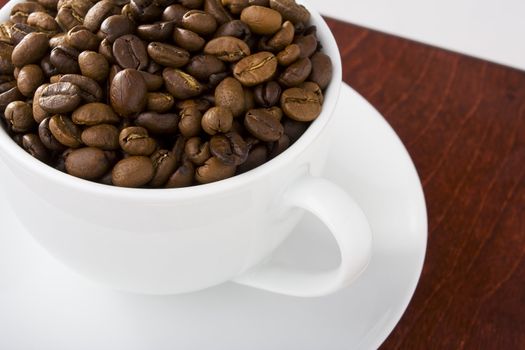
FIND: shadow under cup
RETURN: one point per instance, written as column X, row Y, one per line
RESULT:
column 167, row 241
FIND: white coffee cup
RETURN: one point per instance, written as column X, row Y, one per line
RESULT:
column 172, row 241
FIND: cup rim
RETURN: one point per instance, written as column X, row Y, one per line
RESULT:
column 9, row 148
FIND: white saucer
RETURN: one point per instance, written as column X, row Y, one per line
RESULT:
column 43, row 305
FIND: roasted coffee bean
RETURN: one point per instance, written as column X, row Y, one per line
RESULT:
column 115, row 26
column 39, row 114
column 47, row 67
column 300, row 104
column 6, row 63
column 164, row 164
column 98, row 13
column 217, row 120
column 230, row 94
column 5, row 33
column 174, row 13
column 82, row 39
column 213, row 170
column 19, row 116
column 180, row 84
column 65, row 58
column 256, row 69
column 32, row 144
column 235, row 28
column 190, row 121
column 90, row 91
column 19, row 31
column 283, row 37
column 94, row 114
column 267, row 94
column 30, row 50
column 88, row 163
column 29, row 79
column 199, row 22
column 106, row 49
column 188, row 40
column 135, row 140
column 43, row 22
column 263, row 125
column 168, row 55
column 258, row 156
column 215, row 8
column 197, row 151
column 21, row 11
column 129, row 52
column 103, row 136
column 158, row 123
column 58, row 40
column 135, row 171
column 227, row 48
column 308, row 45
column 229, row 148
column 313, row 87
column 160, row 102
column 322, row 70
column 61, row 97
column 296, row 73
column 262, row 20
column 183, row 176
column 276, row 112
column 8, row 96
column 161, row 31
column 65, row 131
column 153, row 82
column 128, row 92
column 71, row 15
column 203, row 66
column 291, row 11
column 93, row 65
column 47, row 138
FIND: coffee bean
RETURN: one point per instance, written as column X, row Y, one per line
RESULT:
column 161, row 31
column 180, row 84
column 59, row 39
column 88, row 163
column 65, row 131
column 19, row 116
column 98, row 13
column 229, row 148
column 115, row 26
column 203, row 66
column 72, row 14
column 158, row 123
column 129, row 52
column 39, row 114
column 197, row 151
column 262, row 20
column 183, row 176
column 190, row 121
column 6, row 63
column 235, row 28
column 256, row 69
column 164, row 164
column 106, row 49
column 135, row 171
column 90, row 91
column 263, row 125
column 322, row 70
column 94, row 114
column 160, row 102
column 296, row 73
column 47, row 138
column 43, row 22
column 188, row 40
column 30, row 50
column 313, row 87
column 300, row 104
column 217, row 120
column 199, row 22
column 82, row 39
column 168, row 55
column 135, row 140
column 32, row 144
column 128, row 92
column 267, row 94
column 308, row 45
column 103, row 136
column 5, row 33
column 227, row 48
column 62, row 97
column 215, row 8
column 8, row 96
column 65, row 58
column 291, row 11
column 213, row 170
column 93, row 65
column 29, row 79
column 174, row 13
column 153, row 82
column 230, row 94
column 283, row 37
column 21, row 11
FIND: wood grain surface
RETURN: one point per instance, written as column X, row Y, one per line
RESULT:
column 463, row 122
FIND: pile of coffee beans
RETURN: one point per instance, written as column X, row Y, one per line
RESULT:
column 159, row 93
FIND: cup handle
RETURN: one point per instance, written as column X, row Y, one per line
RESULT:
column 347, row 223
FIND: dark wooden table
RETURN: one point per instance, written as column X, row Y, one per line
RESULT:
column 463, row 122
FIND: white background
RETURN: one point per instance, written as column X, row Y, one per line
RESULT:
column 489, row 29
